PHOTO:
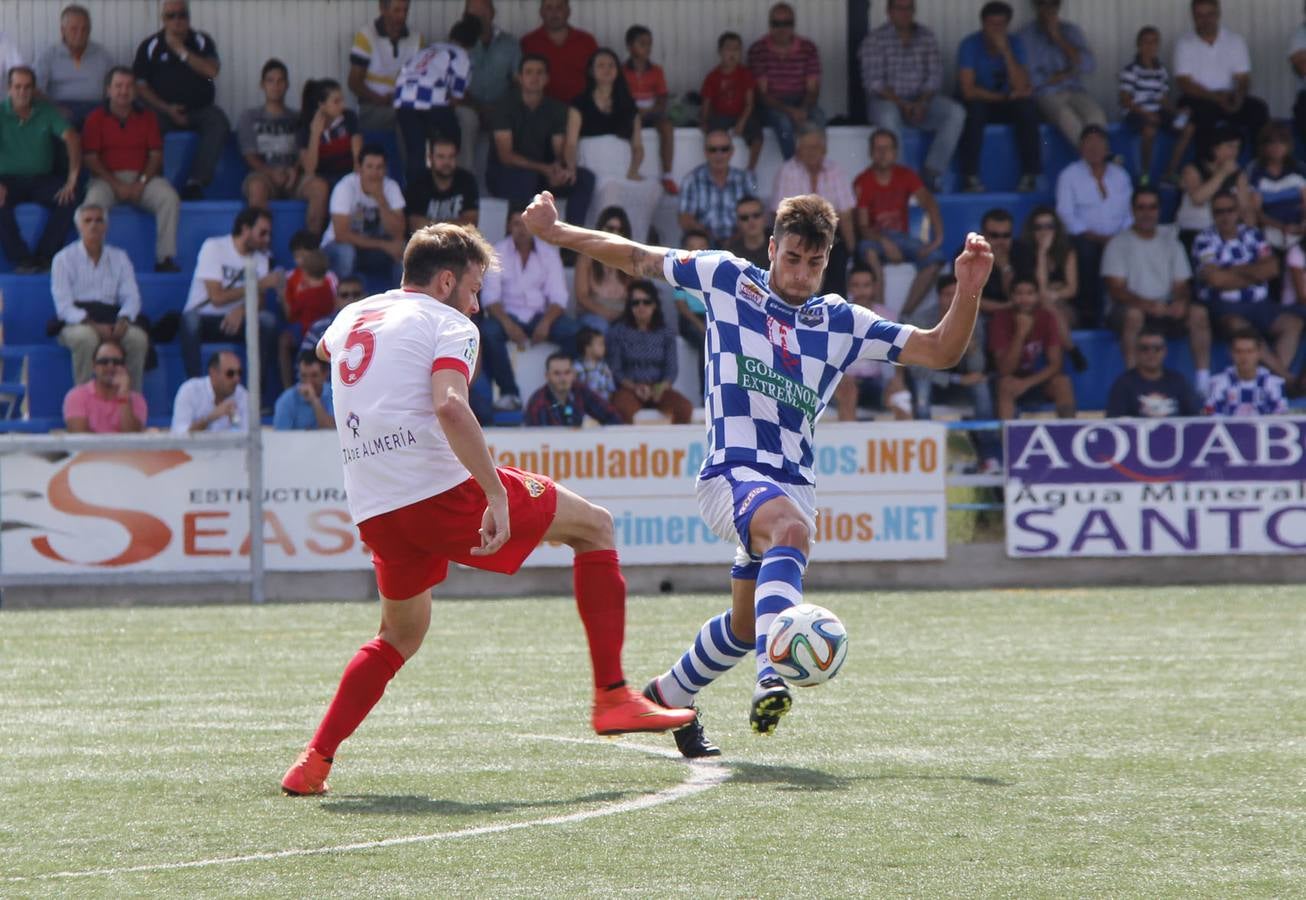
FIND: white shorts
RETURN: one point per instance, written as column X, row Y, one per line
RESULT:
column 729, row 497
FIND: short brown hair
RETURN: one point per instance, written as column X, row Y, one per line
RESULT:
column 808, row 216
column 315, row 263
column 444, row 245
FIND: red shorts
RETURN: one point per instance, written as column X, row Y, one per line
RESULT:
column 412, row 546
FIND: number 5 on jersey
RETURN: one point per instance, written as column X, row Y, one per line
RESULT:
column 361, row 335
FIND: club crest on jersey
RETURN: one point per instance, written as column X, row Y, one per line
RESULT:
column 751, row 292
column 353, row 423
column 811, row 317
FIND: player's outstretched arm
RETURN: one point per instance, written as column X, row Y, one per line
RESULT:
column 942, row 346
column 633, row 258
column 449, row 392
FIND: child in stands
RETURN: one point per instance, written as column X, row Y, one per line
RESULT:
column 310, row 295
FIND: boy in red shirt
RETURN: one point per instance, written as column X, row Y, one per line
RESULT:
column 730, row 96
column 1026, row 348
column 310, row 295
column 648, row 85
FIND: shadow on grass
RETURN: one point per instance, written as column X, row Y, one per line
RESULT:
column 794, row 778
column 411, row 805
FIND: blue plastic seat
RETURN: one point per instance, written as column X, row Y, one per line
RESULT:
column 28, row 306
column 162, row 292
column 1092, row 386
column 47, row 373
column 1000, row 162
column 962, row 213
column 179, row 152
column 31, row 218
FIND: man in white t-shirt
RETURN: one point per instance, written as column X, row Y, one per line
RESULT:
column 424, row 490
column 1147, row 272
column 1214, row 72
column 215, row 307
column 367, row 220
column 214, row 402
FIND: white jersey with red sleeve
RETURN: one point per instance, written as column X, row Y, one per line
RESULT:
column 383, row 351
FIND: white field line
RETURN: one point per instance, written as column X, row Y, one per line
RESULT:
column 702, row 776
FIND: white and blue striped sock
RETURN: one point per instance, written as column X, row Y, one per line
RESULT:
column 714, row 652
column 779, row 586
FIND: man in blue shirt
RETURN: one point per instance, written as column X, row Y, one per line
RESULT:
column 995, row 87
column 306, row 406
column 1059, row 58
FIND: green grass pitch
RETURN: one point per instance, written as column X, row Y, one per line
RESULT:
column 1144, row 743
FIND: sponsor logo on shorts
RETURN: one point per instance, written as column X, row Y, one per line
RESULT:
column 534, row 486
column 749, row 498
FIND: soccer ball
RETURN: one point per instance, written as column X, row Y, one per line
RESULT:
column 807, row 645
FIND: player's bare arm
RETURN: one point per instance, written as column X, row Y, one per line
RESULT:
column 942, row 346
column 449, row 393
column 633, row 258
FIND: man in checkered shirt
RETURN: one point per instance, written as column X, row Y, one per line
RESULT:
column 426, row 89
column 1245, row 388
column 775, row 354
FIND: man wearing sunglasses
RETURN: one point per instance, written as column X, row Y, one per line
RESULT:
column 777, row 351
column 712, row 191
column 1149, row 390
column 788, row 71
column 214, row 402
column 106, row 404
column 174, row 69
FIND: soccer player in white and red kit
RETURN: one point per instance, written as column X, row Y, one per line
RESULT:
column 423, row 490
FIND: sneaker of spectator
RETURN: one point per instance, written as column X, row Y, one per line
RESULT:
column 565, row 49
column 175, row 69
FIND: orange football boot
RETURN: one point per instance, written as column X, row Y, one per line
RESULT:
column 624, row 709
column 308, row 775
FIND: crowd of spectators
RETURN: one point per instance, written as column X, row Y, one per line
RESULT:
column 81, row 134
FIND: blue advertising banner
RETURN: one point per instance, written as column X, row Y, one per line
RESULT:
column 1168, row 487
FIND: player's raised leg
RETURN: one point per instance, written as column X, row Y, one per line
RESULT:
column 782, row 534
column 403, row 626
column 723, row 640
column 601, row 601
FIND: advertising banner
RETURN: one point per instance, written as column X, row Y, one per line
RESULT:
column 880, row 491
column 1166, row 487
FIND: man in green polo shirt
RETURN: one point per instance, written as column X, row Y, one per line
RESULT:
column 27, row 134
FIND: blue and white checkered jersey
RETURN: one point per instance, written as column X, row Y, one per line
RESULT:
column 433, row 77
column 1231, row 396
column 772, row 367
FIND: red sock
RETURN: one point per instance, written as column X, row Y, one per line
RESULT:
column 601, row 601
column 362, row 685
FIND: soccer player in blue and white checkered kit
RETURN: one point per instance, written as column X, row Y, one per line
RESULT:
column 775, row 353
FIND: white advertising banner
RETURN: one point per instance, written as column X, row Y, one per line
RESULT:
column 1163, row 487
column 880, row 491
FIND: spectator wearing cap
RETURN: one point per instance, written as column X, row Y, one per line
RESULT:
column 902, row 74
column 1093, row 200
column 175, row 68
column 106, row 404
column 71, row 73
column 993, row 80
column 1059, row 60
column 788, row 72
column 1214, row 72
